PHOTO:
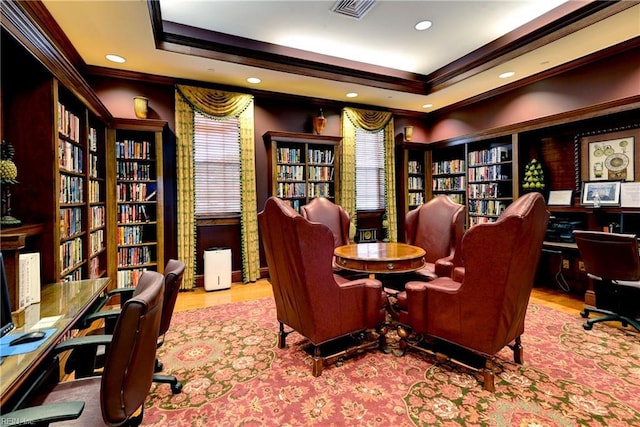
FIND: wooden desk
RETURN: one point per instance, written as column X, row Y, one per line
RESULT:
column 70, row 301
column 380, row 257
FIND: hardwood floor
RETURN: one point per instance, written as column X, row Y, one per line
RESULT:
column 199, row 298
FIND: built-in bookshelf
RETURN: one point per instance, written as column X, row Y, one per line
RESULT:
column 448, row 173
column 490, row 180
column 416, row 167
column 302, row 166
column 137, row 191
column 97, row 218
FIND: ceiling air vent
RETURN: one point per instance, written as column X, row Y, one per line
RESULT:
column 353, row 8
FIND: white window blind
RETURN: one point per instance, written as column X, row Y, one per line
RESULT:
column 217, row 165
column 369, row 170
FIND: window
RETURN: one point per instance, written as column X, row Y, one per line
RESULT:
column 369, row 170
column 217, row 165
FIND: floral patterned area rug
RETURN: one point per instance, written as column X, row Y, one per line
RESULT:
column 234, row 375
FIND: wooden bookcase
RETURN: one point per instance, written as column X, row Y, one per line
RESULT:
column 302, row 166
column 134, row 177
column 490, row 178
column 49, row 125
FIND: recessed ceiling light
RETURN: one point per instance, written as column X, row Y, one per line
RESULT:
column 507, row 75
column 423, row 25
column 352, row 95
column 115, row 58
column 427, row 106
column 254, row 80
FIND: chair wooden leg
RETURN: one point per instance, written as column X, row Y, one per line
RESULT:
column 489, row 377
column 317, row 362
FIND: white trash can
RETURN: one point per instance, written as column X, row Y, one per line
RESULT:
column 217, row 269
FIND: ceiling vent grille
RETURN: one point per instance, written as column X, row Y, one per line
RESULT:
column 353, row 8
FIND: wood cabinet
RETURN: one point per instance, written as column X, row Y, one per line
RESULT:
column 136, row 208
column 302, row 166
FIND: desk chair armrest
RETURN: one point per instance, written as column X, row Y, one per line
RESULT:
column 124, row 293
column 72, row 343
column 43, row 415
column 104, row 314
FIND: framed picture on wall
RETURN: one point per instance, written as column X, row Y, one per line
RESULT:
column 602, row 193
column 610, row 156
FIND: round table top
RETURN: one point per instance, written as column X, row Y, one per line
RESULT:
column 380, row 257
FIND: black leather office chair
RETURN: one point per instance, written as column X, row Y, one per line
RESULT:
column 612, row 261
column 87, row 360
column 117, row 397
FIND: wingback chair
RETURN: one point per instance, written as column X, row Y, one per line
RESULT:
column 486, row 311
column 310, row 298
column 611, row 260
column 117, row 397
column 437, row 227
column 334, row 216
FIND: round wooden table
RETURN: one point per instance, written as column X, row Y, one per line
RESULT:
column 379, row 257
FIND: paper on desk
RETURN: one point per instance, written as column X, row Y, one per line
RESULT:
column 46, row 322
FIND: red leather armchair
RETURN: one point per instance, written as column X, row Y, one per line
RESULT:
column 437, row 227
column 310, row 298
column 486, row 311
column 326, row 212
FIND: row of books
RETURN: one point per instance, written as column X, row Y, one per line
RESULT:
column 414, row 166
column 128, row 278
column 29, row 280
column 320, row 156
column 93, row 139
column 289, row 155
column 93, row 166
column 130, row 235
column 71, row 189
column 486, row 207
column 321, row 173
column 290, row 172
column 319, row 189
column 448, row 166
column 489, row 173
column 71, row 253
column 96, row 241
column 450, row 183
column 70, row 156
column 484, row 191
column 491, row 155
column 474, row 220
column 134, row 256
column 129, row 149
column 456, row 198
column 416, row 183
column 98, row 217
column 94, row 192
column 68, row 123
column 72, row 276
column 70, row 222
column 135, row 191
column 94, row 267
column 133, row 171
column 291, row 189
column 415, row 199
column 129, row 214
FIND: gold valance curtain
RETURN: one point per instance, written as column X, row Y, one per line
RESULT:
column 220, row 105
column 371, row 121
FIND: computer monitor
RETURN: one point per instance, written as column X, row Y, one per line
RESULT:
column 5, row 303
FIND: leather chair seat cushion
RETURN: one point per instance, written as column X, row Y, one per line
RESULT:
column 86, row 390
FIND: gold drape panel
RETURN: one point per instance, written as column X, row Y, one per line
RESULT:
column 370, row 121
column 221, row 105
column 185, row 200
